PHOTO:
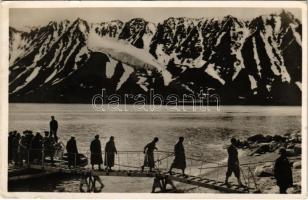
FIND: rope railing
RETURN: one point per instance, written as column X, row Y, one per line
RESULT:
column 128, row 160
column 133, row 159
column 33, row 153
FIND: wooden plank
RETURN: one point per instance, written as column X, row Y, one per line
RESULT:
column 193, row 180
column 29, row 176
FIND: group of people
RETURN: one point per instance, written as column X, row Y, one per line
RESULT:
column 96, row 152
column 19, row 147
column 179, row 153
column 32, row 147
column 282, row 167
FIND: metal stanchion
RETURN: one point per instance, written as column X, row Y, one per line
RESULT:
column 201, row 168
column 119, row 161
column 126, row 157
column 75, row 160
column 43, row 158
column 217, row 174
column 28, row 158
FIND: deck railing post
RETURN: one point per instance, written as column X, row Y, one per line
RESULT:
column 43, row 158
column 248, row 179
column 201, row 168
column 119, row 161
column 75, row 159
column 126, row 157
column 158, row 161
column 139, row 162
column 217, row 174
column 28, row 157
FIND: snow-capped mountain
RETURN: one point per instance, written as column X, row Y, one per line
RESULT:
column 244, row 62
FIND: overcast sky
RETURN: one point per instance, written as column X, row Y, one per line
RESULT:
column 21, row 17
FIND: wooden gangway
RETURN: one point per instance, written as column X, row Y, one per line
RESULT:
column 187, row 179
column 125, row 169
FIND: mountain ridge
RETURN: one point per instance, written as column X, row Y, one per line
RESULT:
column 244, row 62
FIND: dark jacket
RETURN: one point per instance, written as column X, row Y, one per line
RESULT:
column 53, row 125
column 96, row 152
column 232, row 155
column 283, row 172
column 71, row 146
column 149, row 154
column 110, row 151
column 180, row 158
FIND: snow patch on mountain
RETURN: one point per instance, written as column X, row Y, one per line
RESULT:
column 253, row 82
column 16, row 46
column 51, row 76
column 142, row 83
column 256, row 56
column 285, row 76
column 296, row 34
column 110, row 67
column 299, row 85
column 212, row 72
column 127, row 72
column 34, row 73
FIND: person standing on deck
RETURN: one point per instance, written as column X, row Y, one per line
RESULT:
column 96, row 152
column 10, row 146
column 110, row 151
column 23, row 147
column 283, row 172
column 72, row 151
column 180, row 158
column 53, row 124
column 149, row 154
column 16, row 149
column 48, row 146
column 233, row 163
column 36, row 148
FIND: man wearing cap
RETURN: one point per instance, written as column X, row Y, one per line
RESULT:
column 233, row 163
column 283, row 172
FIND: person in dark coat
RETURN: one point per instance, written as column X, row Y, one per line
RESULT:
column 233, row 163
column 180, row 158
column 23, row 152
column 72, row 151
column 16, row 149
column 48, row 145
column 53, row 124
column 10, row 146
column 36, row 147
column 283, row 172
column 96, row 152
column 149, row 154
column 110, row 151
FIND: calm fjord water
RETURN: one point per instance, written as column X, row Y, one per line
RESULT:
column 205, row 132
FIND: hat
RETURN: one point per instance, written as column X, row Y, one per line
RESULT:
column 282, row 151
column 233, row 140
